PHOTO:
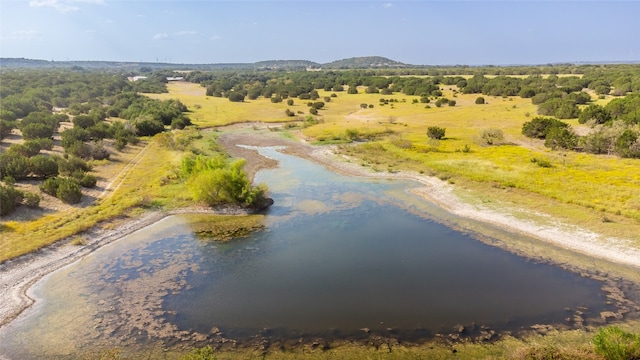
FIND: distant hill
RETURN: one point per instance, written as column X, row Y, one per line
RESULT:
column 364, row 62
column 285, row 64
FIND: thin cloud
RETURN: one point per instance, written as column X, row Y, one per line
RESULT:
column 63, row 6
column 216, row 37
column 160, row 36
column 186, row 33
column 24, row 35
column 387, row 5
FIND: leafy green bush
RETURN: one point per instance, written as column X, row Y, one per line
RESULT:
column 44, row 166
column 491, row 136
column 215, row 182
column 31, row 200
column 436, row 132
column 65, row 189
column 561, row 138
column 87, row 181
column 49, row 186
column 10, row 198
column 538, row 127
column 616, row 344
column 68, row 191
column 14, row 165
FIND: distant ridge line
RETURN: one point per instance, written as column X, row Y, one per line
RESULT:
column 363, row 62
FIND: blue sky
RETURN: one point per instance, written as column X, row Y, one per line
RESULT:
column 414, row 32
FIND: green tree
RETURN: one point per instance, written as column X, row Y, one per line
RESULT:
column 479, row 100
column 628, row 144
column 44, row 166
column 10, row 198
column 6, row 127
column 37, row 131
column 213, row 181
column 560, row 138
column 84, row 121
column 68, row 191
column 147, row 126
column 595, row 113
column 14, row 165
column 236, row 97
column 538, row 127
column 436, row 132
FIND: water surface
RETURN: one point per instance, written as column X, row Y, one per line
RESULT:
column 339, row 257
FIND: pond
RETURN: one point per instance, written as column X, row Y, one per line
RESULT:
column 338, row 258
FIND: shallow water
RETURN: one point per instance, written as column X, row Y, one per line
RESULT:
column 337, row 255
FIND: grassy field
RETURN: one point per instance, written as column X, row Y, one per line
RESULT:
column 207, row 111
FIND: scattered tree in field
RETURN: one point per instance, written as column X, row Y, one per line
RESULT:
column 276, row 99
column 14, row 165
column 561, row 138
column 10, row 198
column 44, row 166
column 491, row 136
column 371, row 90
column 594, row 113
column 65, row 189
column 538, row 127
column 6, row 127
column 628, row 144
column 148, row 126
column 236, row 97
column 435, row 132
column 479, row 100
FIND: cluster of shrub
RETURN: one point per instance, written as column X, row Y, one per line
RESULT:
column 37, row 107
column 62, row 177
column 615, row 129
column 216, row 181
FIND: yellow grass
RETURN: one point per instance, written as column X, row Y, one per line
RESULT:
column 206, row 111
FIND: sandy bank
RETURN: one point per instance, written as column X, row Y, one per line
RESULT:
column 619, row 251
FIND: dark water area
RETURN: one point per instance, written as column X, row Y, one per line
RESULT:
column 339, row 257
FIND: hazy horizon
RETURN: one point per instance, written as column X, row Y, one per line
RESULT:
column 411, row 32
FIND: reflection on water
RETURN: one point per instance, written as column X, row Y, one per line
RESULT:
column 339, row 256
